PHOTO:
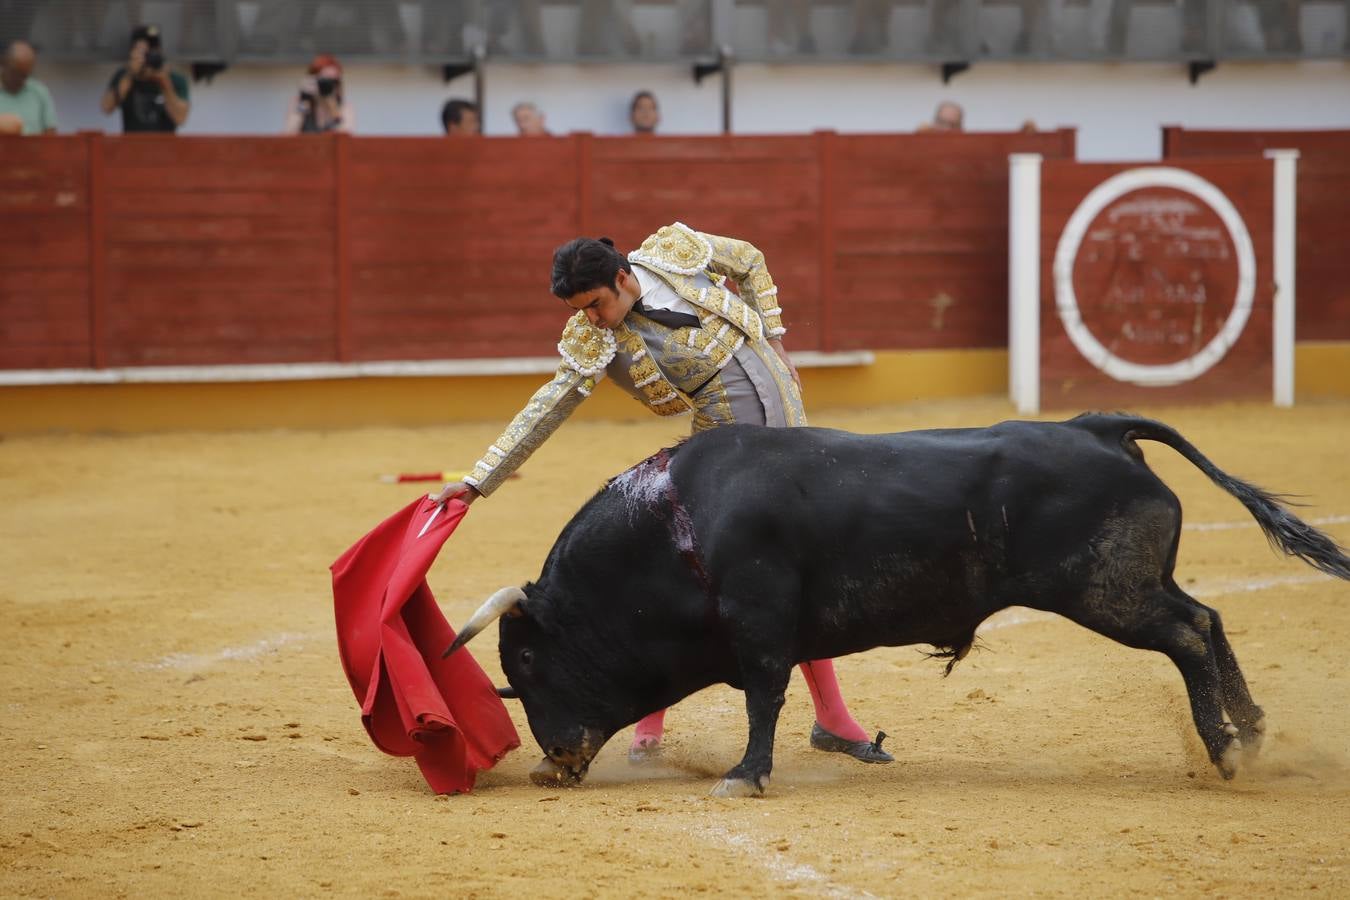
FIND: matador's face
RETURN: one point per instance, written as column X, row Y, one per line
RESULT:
column 606, row 307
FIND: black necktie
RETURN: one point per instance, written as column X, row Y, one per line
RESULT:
column 667, row 317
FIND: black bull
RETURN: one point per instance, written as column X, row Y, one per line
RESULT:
column 746, row 550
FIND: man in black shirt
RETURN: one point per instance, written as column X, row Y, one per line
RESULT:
column 151, row 97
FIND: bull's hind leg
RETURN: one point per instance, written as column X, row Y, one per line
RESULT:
column 1249, row 718
column 1149, row 618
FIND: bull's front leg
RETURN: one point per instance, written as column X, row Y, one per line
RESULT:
column 764, row 689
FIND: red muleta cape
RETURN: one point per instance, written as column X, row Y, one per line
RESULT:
column 445, row 713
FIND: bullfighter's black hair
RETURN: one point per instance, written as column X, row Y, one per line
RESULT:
column 584, row 264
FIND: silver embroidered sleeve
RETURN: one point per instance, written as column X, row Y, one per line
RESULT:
column 533, row 425
column 743, row 262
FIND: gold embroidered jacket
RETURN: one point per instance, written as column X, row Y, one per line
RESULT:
column 696, row 265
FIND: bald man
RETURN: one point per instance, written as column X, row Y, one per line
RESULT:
column 948, row 116
column 25, row 103
column 529, row 120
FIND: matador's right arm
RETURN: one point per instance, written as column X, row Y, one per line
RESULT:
column 586, row 350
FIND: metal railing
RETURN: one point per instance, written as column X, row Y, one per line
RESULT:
column 788, row 31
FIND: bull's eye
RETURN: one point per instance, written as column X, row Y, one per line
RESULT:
column 526, row 658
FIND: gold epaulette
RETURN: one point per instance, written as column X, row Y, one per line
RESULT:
column 676, row 248
column 585, row 348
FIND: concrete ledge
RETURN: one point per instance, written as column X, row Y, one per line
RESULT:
column 390, row 394
column 444, row 368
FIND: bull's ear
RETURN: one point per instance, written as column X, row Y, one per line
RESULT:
column 535, row 607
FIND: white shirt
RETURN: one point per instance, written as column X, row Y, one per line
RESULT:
column 656, row 294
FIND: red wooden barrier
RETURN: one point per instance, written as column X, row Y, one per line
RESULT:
column 921, row 237
column 45, row 255
column 1155, row 278
column 218, row 251
column 1323, row 206
column 156, row 250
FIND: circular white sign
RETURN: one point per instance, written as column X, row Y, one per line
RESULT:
column 1066, row 302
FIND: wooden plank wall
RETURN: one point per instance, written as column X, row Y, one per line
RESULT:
column 218, row 251
column 45, row 309
column 920, row 232
column 762, row 189
column 1323, row 265
column 1070, row 380
column 159, row 250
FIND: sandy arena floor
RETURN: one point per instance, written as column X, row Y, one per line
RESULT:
column 177, row 723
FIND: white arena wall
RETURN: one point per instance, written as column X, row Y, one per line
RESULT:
column 1118, row 109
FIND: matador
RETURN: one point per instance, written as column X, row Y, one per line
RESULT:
column 663, row 324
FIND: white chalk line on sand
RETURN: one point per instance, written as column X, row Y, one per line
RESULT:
column 1019, row 615
column 782, row 869
column 1005, row 619
column 1251, row 523
column 245, row 653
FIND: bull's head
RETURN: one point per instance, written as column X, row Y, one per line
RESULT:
column 553, row 673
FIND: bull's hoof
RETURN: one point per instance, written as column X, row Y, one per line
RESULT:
column 1230, row 760
column 865, row 751
column 551, row 775
column 740, row 787
column 1252, row 738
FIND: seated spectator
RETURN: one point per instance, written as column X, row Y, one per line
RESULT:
column 459, row 118
column 151, row 97
column 25, row 103
column 947, row 117
column 643, row 113
column 529, row 120
column 321, row 105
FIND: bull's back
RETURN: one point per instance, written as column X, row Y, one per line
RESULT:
column 900, row 538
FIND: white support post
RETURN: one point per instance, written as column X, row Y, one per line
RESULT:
column 1286, row 183
column 1024, row 282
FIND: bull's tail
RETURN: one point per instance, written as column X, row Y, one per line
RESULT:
column 1285, row 531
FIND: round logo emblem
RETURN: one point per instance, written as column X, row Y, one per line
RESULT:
column 1154, row 276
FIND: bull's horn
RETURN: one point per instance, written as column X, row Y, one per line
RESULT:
column 496, row 606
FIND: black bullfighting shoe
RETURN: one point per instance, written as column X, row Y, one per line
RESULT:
column 867, row 751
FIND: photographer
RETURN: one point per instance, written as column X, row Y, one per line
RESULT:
column 320, row 106
column 151, row 97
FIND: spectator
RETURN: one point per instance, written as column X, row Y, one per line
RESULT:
column 321, row 105
column 25, row 103
column 459, row 118
column 947, row 117
column 529, row 120
column 150, row 95
column 643, row 113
